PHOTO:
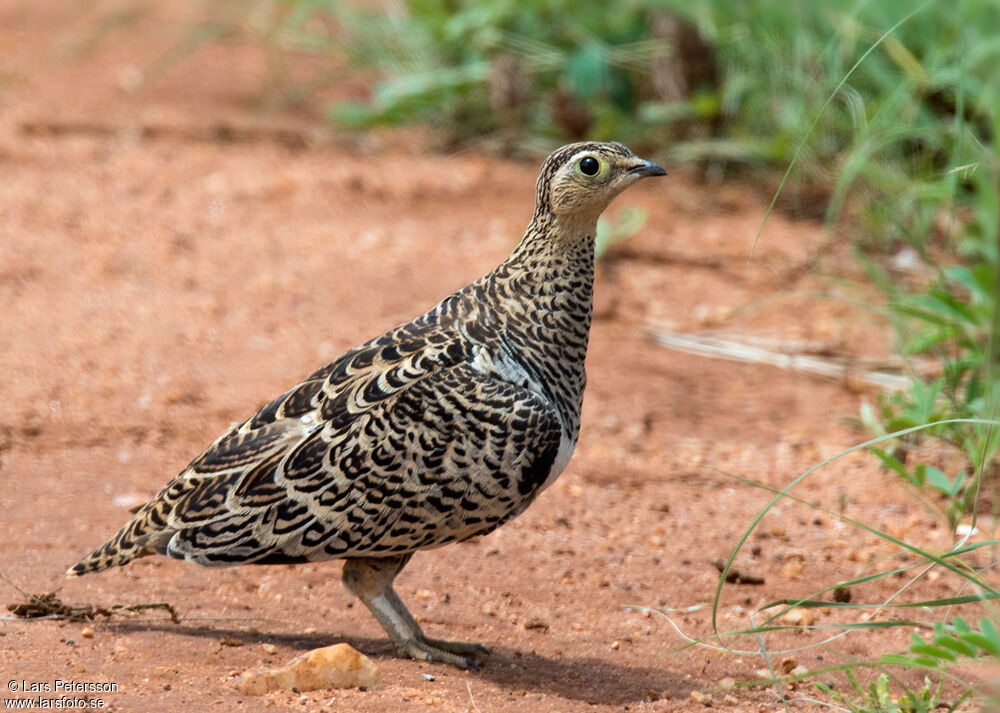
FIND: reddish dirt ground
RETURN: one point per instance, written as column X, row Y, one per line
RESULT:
column 160, row 281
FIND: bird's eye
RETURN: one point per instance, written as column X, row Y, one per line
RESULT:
column 589, row 166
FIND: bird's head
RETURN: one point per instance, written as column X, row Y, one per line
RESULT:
column 578, row 181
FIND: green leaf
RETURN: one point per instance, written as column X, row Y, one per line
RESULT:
column 890, row 461
column 353, row 113
column 588, row 71
column 964, row 314
column 959, row 646
column 611, row 231
column 926, row 312
column 939, row 480
column 937, row 652
column 967, row 279
column 960, row 625
column 881, row 689
column 898, row 660
column 990, row 632
column 391, row 92
column 983, row 642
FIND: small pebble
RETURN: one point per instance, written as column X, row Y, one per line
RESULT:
column 269, row 648
column 730, row 699
column 798, row 617
column 615, row 645
column 792, row 570
column 428, row 677
column 338, row 666
column 87, row 633
column 704, row 698
column 537, row 624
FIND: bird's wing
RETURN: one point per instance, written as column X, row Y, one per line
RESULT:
column 394, row 447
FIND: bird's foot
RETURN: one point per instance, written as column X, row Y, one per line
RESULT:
column 463, row 648
column 456, row 653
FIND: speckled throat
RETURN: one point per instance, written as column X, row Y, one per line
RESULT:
column 541, row 301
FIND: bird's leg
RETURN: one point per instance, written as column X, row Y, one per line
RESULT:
column 370, row 579
column 466, row 648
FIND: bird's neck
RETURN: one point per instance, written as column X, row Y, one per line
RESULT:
column 544, row 292
column 552, row 268
column 554, row 242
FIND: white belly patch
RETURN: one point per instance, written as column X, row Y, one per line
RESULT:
column 566, row 447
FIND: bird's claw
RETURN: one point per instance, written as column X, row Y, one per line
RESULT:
column 466, row 648
column 456, row 653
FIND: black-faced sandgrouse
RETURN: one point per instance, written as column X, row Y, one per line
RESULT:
column 439, row 430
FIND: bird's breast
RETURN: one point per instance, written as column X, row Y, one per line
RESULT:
column 505, row 364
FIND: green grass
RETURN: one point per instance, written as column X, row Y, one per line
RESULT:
column 880, row 141
column 877, row 699
column 951, row 320
column 881, row 111
column 957, row 654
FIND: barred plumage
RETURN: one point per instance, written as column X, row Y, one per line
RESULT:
column 437, row 431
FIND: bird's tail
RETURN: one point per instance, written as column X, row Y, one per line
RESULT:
column 140, row 537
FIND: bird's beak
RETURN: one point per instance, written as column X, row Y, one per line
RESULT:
column 646, row 168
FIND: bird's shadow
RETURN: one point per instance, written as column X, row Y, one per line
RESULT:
column 591, row 680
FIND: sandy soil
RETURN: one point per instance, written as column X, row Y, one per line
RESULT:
column 160, row 278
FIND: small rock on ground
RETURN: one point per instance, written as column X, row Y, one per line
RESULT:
column 337, row 666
